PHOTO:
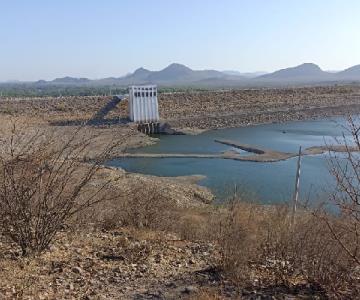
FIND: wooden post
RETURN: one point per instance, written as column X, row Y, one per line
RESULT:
column 297, row 185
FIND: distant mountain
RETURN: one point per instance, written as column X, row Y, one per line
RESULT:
column 171, row 72
column 140, row 74
column 352, row 73
column 307, row 72
column 41, row 82
column 70, row 80
column 174, row 74
column 180, row 75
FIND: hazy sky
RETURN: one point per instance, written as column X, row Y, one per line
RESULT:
column 44, row 39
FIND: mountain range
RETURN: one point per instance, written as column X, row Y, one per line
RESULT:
column 181, row 75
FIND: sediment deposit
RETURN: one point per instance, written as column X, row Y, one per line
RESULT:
column 260, row 154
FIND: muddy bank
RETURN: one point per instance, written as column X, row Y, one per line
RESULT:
column 332, row 148
column 182, row 190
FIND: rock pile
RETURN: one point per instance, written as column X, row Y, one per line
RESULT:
column 220, row 109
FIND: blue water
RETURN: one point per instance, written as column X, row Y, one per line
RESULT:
column 263, row 182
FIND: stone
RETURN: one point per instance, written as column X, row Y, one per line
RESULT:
column 77, row 270
column 189, row 289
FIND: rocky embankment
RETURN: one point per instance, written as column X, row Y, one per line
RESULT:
column 221, row 109
column 193, row 111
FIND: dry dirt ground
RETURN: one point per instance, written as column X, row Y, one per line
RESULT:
column 128, row 264
column 116, row 264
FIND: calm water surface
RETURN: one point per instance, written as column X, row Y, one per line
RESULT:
column 265, row 182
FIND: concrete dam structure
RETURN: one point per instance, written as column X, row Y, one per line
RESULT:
column 144, row 108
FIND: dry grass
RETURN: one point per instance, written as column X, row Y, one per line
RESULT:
column 207, row 294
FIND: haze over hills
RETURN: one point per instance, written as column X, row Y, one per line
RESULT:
column 69, row 80
column 245, row 74
column 180, row 75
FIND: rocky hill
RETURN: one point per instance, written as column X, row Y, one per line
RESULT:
column 304, row 73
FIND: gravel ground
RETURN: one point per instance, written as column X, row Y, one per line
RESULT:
column 128, row 264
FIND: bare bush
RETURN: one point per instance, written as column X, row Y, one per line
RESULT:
column 195, row 223
column 304, row 251
column 260, row 246
column 44, row 181
column 148, row 207
column 346, row 198
column 237, row 235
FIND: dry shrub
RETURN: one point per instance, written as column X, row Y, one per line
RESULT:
column 237, row 234
column 345, row 168
column 43, row 183
column 207, row 294
column 306, row 252
column 106, row 216
column 147, row 207
column 191, row 226
column 260, row 245
column 196, row 223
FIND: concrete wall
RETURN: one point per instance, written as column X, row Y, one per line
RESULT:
column 143, row 104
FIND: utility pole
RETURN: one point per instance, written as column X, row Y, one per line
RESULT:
column 297, row 185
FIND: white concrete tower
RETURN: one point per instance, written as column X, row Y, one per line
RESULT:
column 143, row 104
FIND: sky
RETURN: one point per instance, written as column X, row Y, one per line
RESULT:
column 46, row 39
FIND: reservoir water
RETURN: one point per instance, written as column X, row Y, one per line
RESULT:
column 264, row 182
